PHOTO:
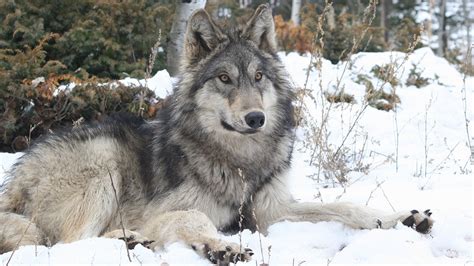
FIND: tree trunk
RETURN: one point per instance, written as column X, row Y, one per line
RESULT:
column 353, row 7
column 429, row 28
column 295, row 11
column 387, row 9
column 467, row 21
column 383, row 15
column 442, row 40
column 178, row 29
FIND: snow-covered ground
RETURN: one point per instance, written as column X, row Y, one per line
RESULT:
column 431, row 128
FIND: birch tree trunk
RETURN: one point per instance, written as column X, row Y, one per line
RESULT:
column 467, row 21
column 295, row 11
column 176, row 40
column 442, row 29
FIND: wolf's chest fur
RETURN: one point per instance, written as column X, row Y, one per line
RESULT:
column 229, row 177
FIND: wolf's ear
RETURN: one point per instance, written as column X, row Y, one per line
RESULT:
column 202, row 36
column 261, row 29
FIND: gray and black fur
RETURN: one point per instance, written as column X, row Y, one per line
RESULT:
column 224, row 139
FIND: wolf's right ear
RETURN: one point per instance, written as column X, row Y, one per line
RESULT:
column 261, row 29
column 202, row 36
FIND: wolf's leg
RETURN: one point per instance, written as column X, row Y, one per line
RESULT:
column 274, row 203
column 196, row 230
column 66, row 210
column 17, row 230
column 88, row 211
column 67, row 190
column 359, row 217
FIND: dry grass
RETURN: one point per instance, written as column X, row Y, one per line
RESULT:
column 334, row 162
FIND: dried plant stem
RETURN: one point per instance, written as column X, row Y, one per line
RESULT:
column 269, row 253
column 379, row 186
column 425, row 136
column 18, row 244
column 372, row 192
column 344, row 191
column 439, row 165
column 467, row 67
column 301, row 97
column 328, row 158
column 321, row 140
column 149, row 70
column 359, row 115
column 241, row 207
column 258, row 229
column 31, row 131
column 254, row 216
column 386, row 198
column 319, row 65
column 397, row 139
column 152, row 57
column 120, row 215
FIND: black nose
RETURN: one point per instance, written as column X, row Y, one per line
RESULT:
column 255, row 119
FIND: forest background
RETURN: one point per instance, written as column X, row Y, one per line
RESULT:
column 45, row 44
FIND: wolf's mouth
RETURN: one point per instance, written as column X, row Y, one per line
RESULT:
column 228, row 127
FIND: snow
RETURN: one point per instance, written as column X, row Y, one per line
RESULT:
column 432, row 129
column 161, row 83
column 7, row 160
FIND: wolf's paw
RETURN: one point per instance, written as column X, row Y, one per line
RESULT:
column 224, row 253
column 132, row 241
column 132, row 238
column 421, row 222
column 229, row 255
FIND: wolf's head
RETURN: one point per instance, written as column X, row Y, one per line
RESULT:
column 232, row 78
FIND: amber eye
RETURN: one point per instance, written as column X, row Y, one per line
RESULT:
column 224, row 78
column 258, row 76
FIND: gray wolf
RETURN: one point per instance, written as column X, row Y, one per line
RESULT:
column 214, row 159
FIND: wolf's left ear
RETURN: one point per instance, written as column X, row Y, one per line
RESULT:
column 261, row 29
column 202, row 36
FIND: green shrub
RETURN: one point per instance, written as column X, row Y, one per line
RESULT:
column 378, row 98
column 341, row 30
column 31, row 107
column 340, row 97
column 415, row 78
column 386, row 73
column 106, row 38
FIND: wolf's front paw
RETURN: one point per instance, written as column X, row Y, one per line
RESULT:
column 224, row 253
column 421, row 222
column 132, row 241
column 229, row 255
column 132, row 238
